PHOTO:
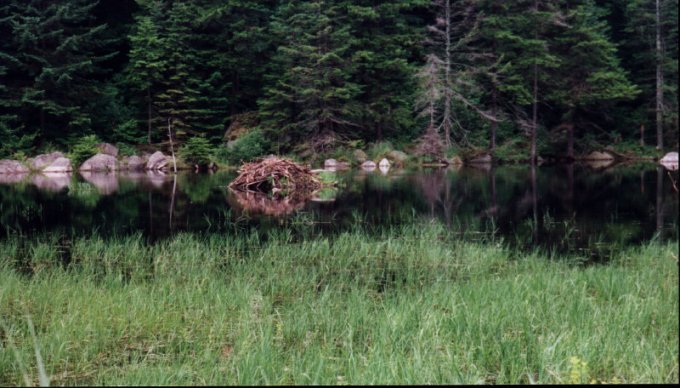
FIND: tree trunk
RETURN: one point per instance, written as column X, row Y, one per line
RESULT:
column 642, row 135
column 659, row 80
column 148, row 120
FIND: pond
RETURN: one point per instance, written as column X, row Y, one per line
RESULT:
column 563, row 207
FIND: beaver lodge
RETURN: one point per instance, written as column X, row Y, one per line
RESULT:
column 277, row 176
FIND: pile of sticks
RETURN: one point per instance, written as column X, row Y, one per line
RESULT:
column 278, row 176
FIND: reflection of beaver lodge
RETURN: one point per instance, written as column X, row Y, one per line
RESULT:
column 260, row 203
column 274, row 186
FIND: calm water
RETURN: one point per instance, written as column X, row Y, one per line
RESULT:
column 567, row 208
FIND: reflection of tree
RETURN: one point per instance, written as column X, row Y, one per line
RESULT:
column 435, row 187
column 659, row 200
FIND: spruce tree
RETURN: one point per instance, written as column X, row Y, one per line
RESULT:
column 589, row 73
column 55, row 56
column 313, row 95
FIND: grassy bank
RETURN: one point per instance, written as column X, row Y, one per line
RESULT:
column 412, row 306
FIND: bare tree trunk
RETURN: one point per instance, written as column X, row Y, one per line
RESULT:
column 659, row 80
column 172, row 147
column 642, row 135
column 447, row 70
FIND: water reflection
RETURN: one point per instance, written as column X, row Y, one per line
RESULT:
column 105, row 182
column 570, row 206
column 51, row 181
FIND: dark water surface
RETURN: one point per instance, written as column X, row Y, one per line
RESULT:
column 567, row 208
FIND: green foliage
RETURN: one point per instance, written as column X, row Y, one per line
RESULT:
column 83, row 148
column 379, row 150
column 197, row 150
column 247, row 147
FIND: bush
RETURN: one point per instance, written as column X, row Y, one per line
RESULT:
column 197, row 150
column 246, row 148
column 379, row 150
column 83, row 149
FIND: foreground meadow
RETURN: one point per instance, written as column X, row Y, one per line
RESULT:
column 407, row 305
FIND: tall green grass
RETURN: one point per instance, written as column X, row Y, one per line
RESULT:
column 406, row 306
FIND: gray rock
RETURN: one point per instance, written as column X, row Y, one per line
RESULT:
column 671, row 157
column 398, row 157
column 384, row 163
column 132, row 163
column 41, row 161
column 12, row 167
column 455, row 160
column 157, row 161
column 360, row 156
column 484, row 158
column 60, row 165
column 330, row 163
column 100, row 163
column 107, row 149
column 597, row 155
column 670, row 161
column 368, row 165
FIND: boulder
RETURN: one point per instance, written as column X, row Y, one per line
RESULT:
column 132, row 163
column 398, row 157
column 107, row 149
column 384, row 163
column 100, row 162
column 60, row 165
column 157, row 161
column 360, row 156
column 598, row 155
column 455, row 160
column 41, row 161
column 483, row 158
column 671, row 157
column 12, row 167
column 368, row 165
column 670, row 161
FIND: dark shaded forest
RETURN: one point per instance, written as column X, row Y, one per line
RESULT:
column 541, row 77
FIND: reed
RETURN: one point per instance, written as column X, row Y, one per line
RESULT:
column 405, row 305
